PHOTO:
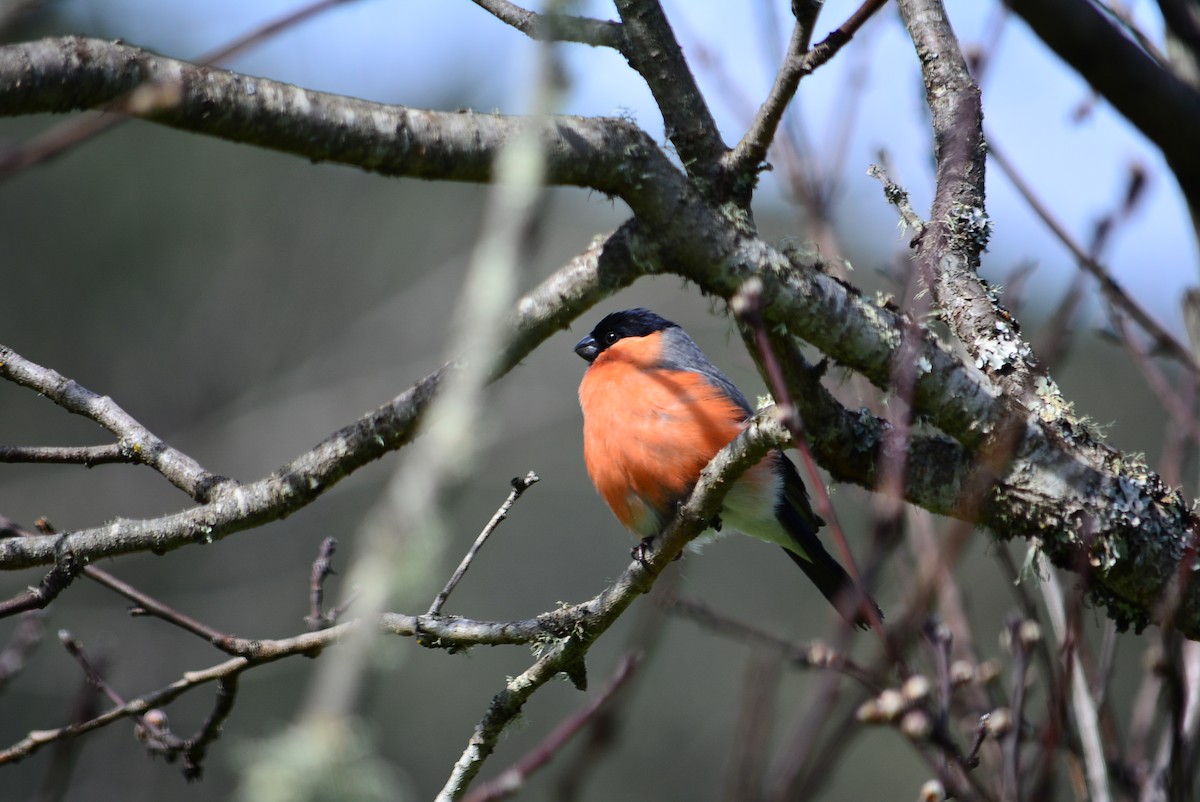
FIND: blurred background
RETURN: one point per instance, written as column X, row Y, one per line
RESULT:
column 244, row 304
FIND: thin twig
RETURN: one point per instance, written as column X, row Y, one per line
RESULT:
column 82, row 455
column 148, row 605
column 1171, row 401
column 136, row 442
column 815, row 655
column 1019, row 648
column 519, row 486
column 152, row 728
column 898, row 197
column 512, row 779
column 1112, row 291
column 799, row 62
column 1086, row 716
column 322, row 569
column 196, row 748
column 75, row 649
column 556, row 27
column 941, row 639
column 981, row 733
column 138, row 708
column 38, row 596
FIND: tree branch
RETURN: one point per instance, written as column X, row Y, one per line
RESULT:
column 556, row 27
column 511, row 780
column 1163, row 107
column 654, row 53
column 76, row 73
column 234, row 508
column 948, row 247
column 86, row 456
column 136, row 442
column 800, row 61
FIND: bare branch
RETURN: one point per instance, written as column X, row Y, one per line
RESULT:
column 244, row 506
column 148, row 605
column 814, row 655
column 1113, row 292
column 898, row 197
column 136, row 442
column 38, row 596
column 799, row 62
column 77, row 73
column 269, row 651
column 322, row 568
column 519, row 486
column 655, row 54
column 511, row 780
column 195, row 749
column 556, row 27
column 62, row 137
column 1081, row 700
column 567, row 655
column 948, row 247
column 86, row 456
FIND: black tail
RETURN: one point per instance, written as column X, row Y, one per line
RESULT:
column 834, row 583
column 797, row 516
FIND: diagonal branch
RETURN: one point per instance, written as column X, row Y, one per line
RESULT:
column 948, row 248
column 656, row 55
column 800, row 61
column 512, row 779
column 567, row 655
column 1114, row 293
column 135, row 441
column 556, row 27
column 236, row 508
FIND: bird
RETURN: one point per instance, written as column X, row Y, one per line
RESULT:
column 655, row 412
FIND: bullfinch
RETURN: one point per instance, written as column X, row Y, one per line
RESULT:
column 655, row 411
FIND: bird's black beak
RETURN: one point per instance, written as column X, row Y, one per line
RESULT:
column 587, row 348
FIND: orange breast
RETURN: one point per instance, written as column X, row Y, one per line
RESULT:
column 647, row 433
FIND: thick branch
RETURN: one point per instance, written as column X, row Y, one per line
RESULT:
column 240, row 507
column 56, row 75
column 948, row 248
column 655, row 54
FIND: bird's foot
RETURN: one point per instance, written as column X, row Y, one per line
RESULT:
column 642, row 550
column 715, row 523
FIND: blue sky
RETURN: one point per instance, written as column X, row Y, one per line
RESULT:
column 411, row 52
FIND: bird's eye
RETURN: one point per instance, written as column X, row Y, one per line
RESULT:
column 610, row 338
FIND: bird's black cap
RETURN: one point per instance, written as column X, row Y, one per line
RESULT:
column 619, row 325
